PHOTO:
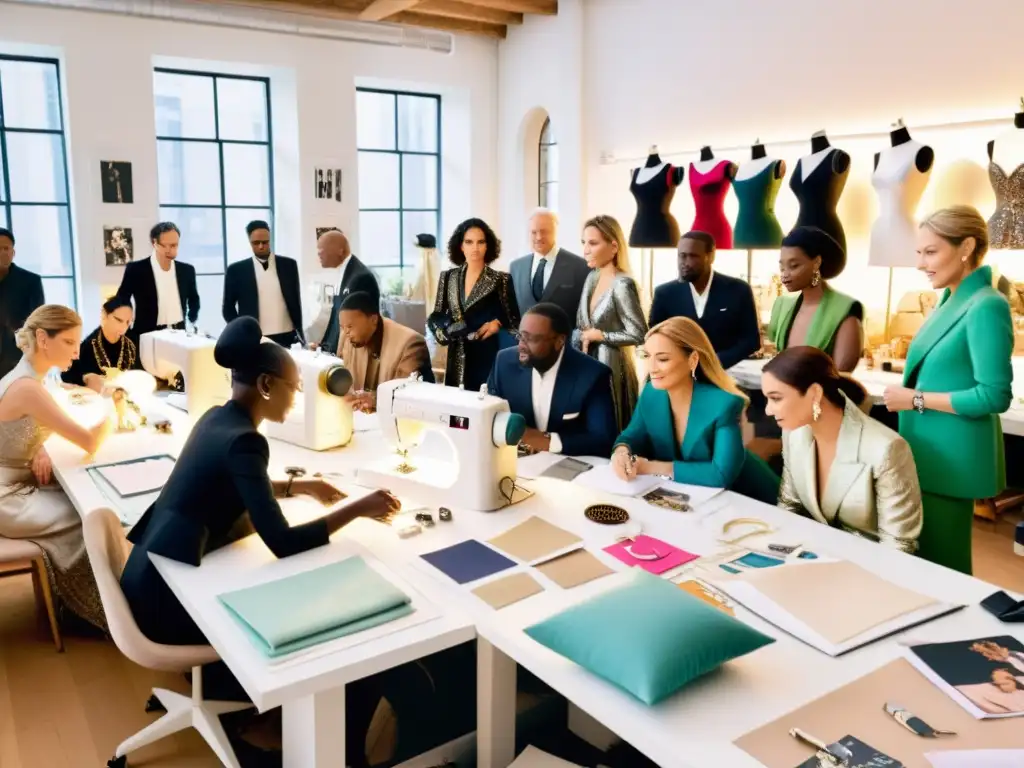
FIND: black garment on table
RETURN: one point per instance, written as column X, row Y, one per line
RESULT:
column 138, row 283
column 819, row 194
column 357, row 277
column 456, row 316
column 87, row 362
column 654, row 225
column 21, row 293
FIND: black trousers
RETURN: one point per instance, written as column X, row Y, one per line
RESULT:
column 284, row 339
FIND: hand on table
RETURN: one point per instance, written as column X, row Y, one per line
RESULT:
column 42, row 467
column 380, row 505
column 318, row 489
column 536, row 440
column 625, row 465
column 898, row 399
column 94, row 381
column 363, row 401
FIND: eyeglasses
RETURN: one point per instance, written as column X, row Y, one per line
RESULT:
column 530, row 338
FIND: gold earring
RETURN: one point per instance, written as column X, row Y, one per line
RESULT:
column 816, row 410
column 693, row 372
column 816, row 278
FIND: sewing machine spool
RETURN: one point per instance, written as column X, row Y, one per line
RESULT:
column 336, row 381
column 606, row 514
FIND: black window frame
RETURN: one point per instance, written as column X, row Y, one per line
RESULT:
column 543, row 183
column 5, row 189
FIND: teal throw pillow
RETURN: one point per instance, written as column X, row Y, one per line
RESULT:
column 648, row 637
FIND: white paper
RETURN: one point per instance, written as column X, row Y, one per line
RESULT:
column 138, row 477
column 977, row 758
column 698, row 494
column 604, row 479
column 533, row 466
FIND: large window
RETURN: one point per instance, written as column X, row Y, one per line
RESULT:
column 34, row 197
column 215, row 170
column 399, row 138
column 547, row 173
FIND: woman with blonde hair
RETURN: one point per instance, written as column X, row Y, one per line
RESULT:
column 610, row 321
column 30, row 506
column 687, row 421
column 956, row 382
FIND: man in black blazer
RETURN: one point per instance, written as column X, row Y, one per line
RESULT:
column 564, row 395
column 723, row 306
column 335, row 252
column 163, row 288
column 21, row 292
column 549, row 274
column 266, row 288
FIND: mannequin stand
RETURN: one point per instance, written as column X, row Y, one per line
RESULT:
column 750, row 267
column 888, row 306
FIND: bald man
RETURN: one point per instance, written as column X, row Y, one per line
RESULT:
column 352, row 276
column 550, row 274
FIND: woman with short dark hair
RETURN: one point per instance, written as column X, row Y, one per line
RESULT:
column 107, row 349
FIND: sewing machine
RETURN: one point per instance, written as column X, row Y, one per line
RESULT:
column 320, row 419
column 170, row 354
column 482, row 434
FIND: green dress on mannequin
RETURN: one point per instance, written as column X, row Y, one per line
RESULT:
column 756, row 224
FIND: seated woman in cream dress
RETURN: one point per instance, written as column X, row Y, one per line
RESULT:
column 31, row 506
column 842, row 467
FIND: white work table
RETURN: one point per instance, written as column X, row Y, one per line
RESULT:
column 693, row 729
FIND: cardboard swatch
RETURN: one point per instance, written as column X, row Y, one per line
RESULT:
column 856, row 709
column 573, row 569
column 698, row 590
column 534, row 539
column 669, row 557
column 508, row 590
column 468, row 561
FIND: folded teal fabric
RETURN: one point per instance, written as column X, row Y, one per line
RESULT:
column 309, row 608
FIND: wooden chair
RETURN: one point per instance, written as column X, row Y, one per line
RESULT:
column 18, row 557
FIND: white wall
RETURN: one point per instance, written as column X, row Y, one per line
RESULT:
column 107, row 64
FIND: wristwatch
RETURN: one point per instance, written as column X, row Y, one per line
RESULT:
column 918, row 402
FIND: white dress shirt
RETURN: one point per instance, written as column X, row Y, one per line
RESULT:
column 700, row 300
column 543, row 389
column 341, row 273
column 274, row 317
column 168, row 301
column 541, row 258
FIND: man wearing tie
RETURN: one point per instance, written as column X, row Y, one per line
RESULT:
column 564, row 395
column 266, row 288
column 550, row 274
column 21, row 292
column 352, row 275
column 723, row 306
column 163, row 289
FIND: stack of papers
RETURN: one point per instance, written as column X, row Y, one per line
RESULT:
column 605, row 480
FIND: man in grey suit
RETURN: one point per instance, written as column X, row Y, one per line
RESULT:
column 549, row 274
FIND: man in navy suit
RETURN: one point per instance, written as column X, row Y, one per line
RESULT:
column 723, row 306
column 564, row 395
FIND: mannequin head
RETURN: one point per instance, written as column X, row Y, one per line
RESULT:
column 50, row 337
column 951, row 243
column 604, row 243
column 696, row 257
column 473, row 243
column 809, row 256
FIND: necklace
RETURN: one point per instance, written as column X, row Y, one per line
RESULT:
column 100, row 354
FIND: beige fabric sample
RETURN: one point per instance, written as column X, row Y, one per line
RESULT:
column 573, row 569
column 533, row 539
column 508, row 590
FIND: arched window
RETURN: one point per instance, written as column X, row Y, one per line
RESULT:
column 547, row 175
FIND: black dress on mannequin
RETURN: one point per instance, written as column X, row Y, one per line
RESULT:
column 818, row 188
column 654, row 225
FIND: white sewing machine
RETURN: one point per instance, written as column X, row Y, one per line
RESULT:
column 482, row 433
column 171, row 353
column 320, row 418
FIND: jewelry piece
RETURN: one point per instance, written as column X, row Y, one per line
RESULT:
column 445, row 514
column 606, row 514
column 816, row 278
column 816, row 410
column 693, row 373
column 918, row 402
column 913, row 723
column 103, row 361
column 759, row 527
column 425, row 519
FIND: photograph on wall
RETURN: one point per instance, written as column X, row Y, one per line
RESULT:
column 327, row 184
column 321, row 230
column 117, row 245
column 116, row 181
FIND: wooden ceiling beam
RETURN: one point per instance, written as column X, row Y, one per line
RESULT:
column 542, row 7
column 454, row 9
column 461, row 26
column 383, row 10
column 290, row 6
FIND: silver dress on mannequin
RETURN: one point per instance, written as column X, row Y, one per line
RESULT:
column 620, row 317
column 43, row 514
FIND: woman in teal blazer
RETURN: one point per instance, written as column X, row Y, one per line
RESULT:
column 955, row 384
column 686, row 425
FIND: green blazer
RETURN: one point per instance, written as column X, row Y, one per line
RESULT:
column 711, row 452
column 834, row 308
column 963, row 348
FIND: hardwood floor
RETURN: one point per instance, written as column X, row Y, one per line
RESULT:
column 72, row 709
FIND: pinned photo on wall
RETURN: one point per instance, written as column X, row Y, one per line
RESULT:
column 116, row 181
column 321, row 230
column 117, row 245
column 327, row 184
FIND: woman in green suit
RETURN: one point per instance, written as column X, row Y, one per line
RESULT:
column 686, row 425
column 955, row 384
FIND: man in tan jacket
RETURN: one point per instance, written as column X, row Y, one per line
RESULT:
column 376, row 349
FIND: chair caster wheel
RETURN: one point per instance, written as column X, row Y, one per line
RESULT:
column 118, row 762
column 153, row 705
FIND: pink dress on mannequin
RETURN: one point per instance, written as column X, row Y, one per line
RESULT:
column 709, row 191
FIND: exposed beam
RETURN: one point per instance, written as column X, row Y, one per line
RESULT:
column 290, row 6
column 462, row 26
column 544, row 7
column 379, row 10
column 454, row 9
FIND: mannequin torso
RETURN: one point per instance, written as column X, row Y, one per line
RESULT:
column 653, row 188
column 818, row 182
column 756, row 185
column 900, row 177
column 1006, row 173
column 710, row 179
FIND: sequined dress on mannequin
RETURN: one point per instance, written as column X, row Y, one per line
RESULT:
column 43, row 515
column 1006, row 227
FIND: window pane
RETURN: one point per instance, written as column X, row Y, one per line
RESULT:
column 202, row 237
column 211, row 297
column 31, row 96
column 378, row 180
column 378, row 238
column 417, row 124
column 242, row 109
column 246, row 174
column 375, row 120
column 44, row 238
column 546, row 135
column 417, row 223
column 189, row 172
column 60, row 290
column 184, row 106
column 35, row 162
column 3, row 187
column 549, row 196
column 3, row 216
column 419, row 181
column 549, row 157
column 238, row 242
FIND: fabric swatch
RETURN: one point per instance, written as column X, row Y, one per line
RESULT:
column 508, row 590
column 669, row 557
column 573, row 569
column 468, row 561
column 533, row 539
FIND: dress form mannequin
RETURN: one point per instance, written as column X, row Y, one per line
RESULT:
column 756, row 186
column 1006, row 172
column 900, row 177
column 653, row 188
column 818, row 182
column 710, row 179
